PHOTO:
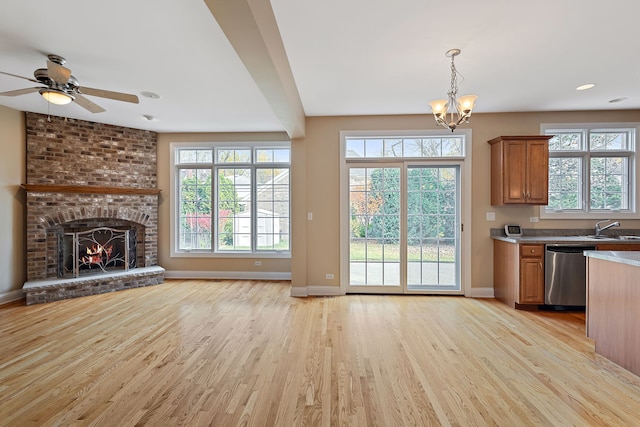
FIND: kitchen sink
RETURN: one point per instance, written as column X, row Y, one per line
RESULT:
column 628, row 237
column 605, row 237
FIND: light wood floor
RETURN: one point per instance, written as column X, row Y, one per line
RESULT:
column 246, row 353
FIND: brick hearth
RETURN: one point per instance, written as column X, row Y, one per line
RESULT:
column 40, row 291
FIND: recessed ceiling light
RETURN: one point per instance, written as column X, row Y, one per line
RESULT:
column 585, row 87
column 618, row 100
column 150, row 95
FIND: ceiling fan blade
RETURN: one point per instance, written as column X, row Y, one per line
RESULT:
column 88, row 105
column 58, row 73
column 118, row 96
column 20, row 77
column 20, row 91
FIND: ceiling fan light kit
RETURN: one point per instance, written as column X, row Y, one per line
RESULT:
column 61, row 88
column 56, row 96
column 451, row 112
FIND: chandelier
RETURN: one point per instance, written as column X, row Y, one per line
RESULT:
column 453, row 111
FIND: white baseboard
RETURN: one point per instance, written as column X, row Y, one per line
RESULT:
column 316, row 291
column 306, row 291
column 239, row 275
column 481, row 292
column 324, row 291
column 299, row 291
column 10, row 296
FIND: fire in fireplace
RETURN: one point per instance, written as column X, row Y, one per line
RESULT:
column 97, row 250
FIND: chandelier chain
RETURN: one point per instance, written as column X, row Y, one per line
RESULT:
column 454, row 79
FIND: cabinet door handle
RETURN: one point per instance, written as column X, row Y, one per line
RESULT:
column 540, row 266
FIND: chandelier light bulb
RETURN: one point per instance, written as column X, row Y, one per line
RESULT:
column 439, row 106
column 467, row 102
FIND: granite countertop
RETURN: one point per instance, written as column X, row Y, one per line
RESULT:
column 563, row 239
column 622, row 257
column 568, row 236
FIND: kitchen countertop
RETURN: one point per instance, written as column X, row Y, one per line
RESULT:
column 622, row 257
column 564, row 240
column 569, row 236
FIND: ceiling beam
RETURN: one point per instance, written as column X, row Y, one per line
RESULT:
column 250, row 27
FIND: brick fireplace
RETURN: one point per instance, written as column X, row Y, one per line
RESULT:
column 83, row 176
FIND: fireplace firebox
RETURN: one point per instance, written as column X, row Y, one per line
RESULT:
column 97, row 250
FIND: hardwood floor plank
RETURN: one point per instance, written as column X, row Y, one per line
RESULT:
column 194, row 352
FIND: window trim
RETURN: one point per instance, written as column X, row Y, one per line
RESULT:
column 174, row 147
column 634, row 197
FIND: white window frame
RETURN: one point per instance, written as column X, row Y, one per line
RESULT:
column 633, row 183
column 175, row 176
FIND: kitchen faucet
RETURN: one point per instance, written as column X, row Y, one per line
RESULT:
column 606, row 227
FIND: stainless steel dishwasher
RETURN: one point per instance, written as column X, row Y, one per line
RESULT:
column 565, row 282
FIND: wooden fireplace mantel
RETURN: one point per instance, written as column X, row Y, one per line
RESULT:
column 87, row 189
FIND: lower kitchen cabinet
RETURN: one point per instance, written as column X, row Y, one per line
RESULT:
column 617, row 247
column 531, row 274
column 518, row 273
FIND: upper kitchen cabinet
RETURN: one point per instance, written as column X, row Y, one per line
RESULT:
column 520, row 170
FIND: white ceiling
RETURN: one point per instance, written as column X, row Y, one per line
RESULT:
column 347, row 57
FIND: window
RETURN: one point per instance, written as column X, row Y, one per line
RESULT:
column 591, row 171
column 405, row 147
column 232, row 199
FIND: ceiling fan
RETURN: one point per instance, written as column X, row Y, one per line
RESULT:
column 60, row 87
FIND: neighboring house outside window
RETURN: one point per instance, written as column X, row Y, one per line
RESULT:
column 231, row 199
column 591, row 170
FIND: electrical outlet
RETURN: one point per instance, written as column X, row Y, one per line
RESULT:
column 258, row 263
column 328, row 276
column 309, row 216
column 491, row 216
column 534, row 219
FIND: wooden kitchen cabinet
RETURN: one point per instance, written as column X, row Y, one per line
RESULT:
column 520, row 170
column 617, row 247
column 531, row 274
column 518, row 273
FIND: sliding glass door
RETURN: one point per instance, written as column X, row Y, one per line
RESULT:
column 433, row 223
column 374, row 244
column 404, row 228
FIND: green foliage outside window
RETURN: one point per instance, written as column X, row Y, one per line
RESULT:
column 196, row 206
column 431, row 199
column 577, row 152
